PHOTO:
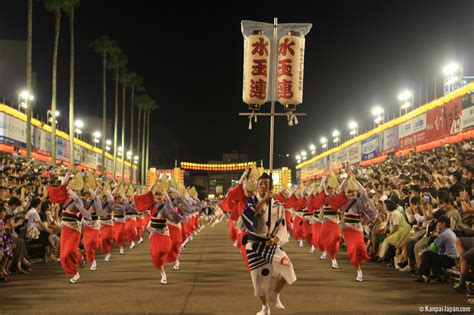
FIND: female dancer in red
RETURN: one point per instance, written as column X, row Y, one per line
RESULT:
column 360, row 209
column 160, row 241
column 91, row 228
column 70, row 254
column 119, row 220
column 130, row 227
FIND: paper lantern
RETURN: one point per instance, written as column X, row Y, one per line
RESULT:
column 290, row 69
column 256, row 70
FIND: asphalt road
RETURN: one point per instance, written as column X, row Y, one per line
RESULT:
column 213, row 280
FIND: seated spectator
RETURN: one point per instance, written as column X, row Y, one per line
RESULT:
column 399, row 227
column 465, row 248
column 440, row 254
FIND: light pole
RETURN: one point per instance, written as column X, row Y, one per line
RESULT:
column 50, row 116
column 452, row 77
column 26, row 97
column 406, row 100
column 324, row 143
column 135, row 162
column 298, row 158
column 379, row 114
column 303, row 155
column 335, row 136
column 96, row 137
column 108, row 143
column 354, row 129
column 78, row 125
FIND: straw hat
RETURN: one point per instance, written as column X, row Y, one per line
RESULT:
column 332, row 181
column 77, row 182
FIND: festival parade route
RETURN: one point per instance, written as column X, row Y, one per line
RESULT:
column 213, row 280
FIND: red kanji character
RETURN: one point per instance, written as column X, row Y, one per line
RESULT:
column 285, row 67
column 285, row 47
column 260, row 47
column 258, row 89
column 260, row 67
column 285, row 89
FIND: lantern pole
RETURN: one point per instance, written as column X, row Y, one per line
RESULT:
column 272, row 116
column 289, row 114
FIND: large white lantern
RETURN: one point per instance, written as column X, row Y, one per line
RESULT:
column 290, row 69
column 256, row 69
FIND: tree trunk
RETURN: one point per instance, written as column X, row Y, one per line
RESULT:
column 71, row 91
column 143, row 147
column 104, row 108
column 124, row 152
column 57, row 15
column 29, row 86
column 147, row 144
column 115, row 124
column 131, row 131
column 140, row 161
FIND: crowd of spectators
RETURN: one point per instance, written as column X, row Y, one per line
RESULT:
column 425, row 222
column 29, row 222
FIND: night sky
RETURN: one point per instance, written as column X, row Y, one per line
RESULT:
column 358, row 54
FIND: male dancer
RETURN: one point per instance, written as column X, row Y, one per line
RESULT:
column 264, row 218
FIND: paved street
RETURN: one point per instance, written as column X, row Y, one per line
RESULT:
column 213, row 280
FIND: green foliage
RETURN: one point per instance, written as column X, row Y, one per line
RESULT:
column 104, row 45
column 145, row 102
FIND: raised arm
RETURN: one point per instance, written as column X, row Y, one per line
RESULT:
column 80, row 205
column 244, row 176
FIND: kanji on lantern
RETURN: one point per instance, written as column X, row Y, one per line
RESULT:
column 286, row 46
column 285, row 90
column 290, row 69
column 285, row 67
column 260, row 67
column 260, row 47
column 256, row 69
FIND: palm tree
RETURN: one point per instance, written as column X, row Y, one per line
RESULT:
column 105, row 47
column 70, row 7
column 118, row 61
column 29, row 45
column 144, row 102
column 136, row 84
column 125, row 82
column 153, row 107
column 139, row 104
column 56, row 7
column 147, row 105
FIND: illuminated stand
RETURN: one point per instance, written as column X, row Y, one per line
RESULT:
column 286, row 75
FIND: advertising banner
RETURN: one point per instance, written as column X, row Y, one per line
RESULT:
column 467, row 117
column 390, row 138
column 14, row 131
column 354, row 153
column 444, row 120
column 370, row 148
column 412, row 126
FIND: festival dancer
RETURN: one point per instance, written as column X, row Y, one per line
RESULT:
column 91, row 228
column 360, row 209
column 298, row 206
column 160, row 241
column 308, row 221
column 330, row 236
column 140, row 227
column 106, row 226
column 174, row 226
column 119, row 206
column 71, row 256
column 130, row 226
column 264, row 218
